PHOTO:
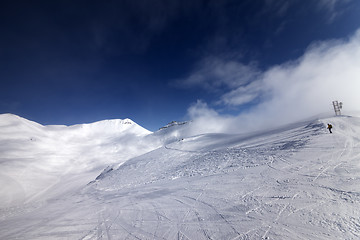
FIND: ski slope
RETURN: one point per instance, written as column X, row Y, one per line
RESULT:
column 295, row 182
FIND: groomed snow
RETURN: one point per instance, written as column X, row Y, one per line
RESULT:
column 296, row 182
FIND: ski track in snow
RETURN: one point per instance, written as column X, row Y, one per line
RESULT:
column 296, row 183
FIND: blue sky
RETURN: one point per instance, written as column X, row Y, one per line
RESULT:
column 70, row 62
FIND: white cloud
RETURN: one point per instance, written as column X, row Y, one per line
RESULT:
column 213, row 73
column 243, row 94
column 330, row 4
column 206, row 120
column 288, row 92
column 332, row 7
column 278, row 7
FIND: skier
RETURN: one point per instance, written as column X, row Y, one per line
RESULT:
column 329, row 127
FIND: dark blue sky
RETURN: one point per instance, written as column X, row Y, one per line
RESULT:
column 69, row 62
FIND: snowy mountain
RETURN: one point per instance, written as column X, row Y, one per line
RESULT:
column 45, row 161
column 295, row 182
column 172, row 124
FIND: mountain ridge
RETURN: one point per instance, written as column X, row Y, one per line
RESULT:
column 44, row 154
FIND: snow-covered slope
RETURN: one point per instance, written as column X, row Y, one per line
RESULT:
column 36, row 159
column 297, row 182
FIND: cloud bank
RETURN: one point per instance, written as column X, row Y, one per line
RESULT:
column 282, row 94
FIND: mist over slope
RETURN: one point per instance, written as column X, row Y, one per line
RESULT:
column 294, row 182
column 36, row 159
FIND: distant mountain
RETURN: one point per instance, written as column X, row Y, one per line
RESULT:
column 172, row 124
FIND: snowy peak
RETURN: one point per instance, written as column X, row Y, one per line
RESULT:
column 172, row 124
column 44, row 154
column 9, row 120
column 12, row 126
column 10, row 123
column 114, row 126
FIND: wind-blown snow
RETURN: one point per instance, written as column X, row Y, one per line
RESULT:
column 295, row 182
